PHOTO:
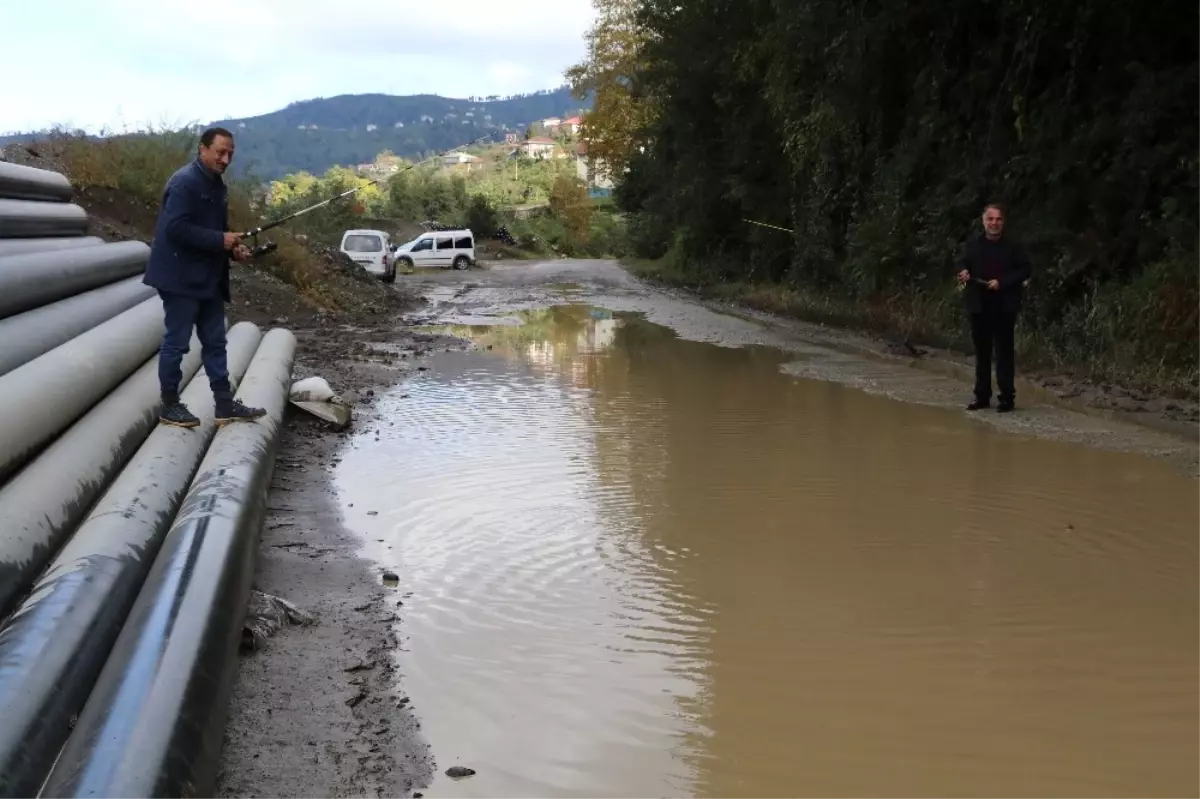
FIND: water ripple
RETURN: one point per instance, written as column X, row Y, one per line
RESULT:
column 666, row 567
column 490, row 495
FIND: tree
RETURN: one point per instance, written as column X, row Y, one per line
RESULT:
column 875, row 132
column 614, row 56
column 570, row 205
column 481, row 216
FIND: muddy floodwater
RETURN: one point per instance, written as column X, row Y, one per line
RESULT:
column 637, row 565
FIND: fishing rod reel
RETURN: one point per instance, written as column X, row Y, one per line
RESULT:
column 258, row 250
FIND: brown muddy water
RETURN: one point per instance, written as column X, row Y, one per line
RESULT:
column 642, row 566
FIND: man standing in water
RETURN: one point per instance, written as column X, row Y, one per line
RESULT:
column 189, row 265
column 993, row 270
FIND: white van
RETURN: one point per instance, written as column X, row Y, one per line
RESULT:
column 440, row 248
column 372, row 249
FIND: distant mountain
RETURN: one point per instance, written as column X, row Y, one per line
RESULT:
column 314, row 135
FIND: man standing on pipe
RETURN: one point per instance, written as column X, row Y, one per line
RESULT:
column 993, row 270
column 189, row 265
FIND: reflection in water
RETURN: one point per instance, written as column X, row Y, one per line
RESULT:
column 645, row 567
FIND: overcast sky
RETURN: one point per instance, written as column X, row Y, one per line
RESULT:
column 120, row 64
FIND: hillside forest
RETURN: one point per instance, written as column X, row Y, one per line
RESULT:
column 873, row 134
column 314, row 135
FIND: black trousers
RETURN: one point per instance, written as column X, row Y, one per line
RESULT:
column 993, row 329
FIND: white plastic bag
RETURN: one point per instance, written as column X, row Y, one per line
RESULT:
column 312, row 389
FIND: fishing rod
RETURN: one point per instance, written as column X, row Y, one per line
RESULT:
column 960, row 286
column 773, row 227
column 270, row 246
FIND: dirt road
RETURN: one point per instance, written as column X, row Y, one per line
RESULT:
column 935, row 379
column 322, row 710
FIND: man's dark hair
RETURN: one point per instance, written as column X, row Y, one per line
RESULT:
column 207, row 137
column 998, row 206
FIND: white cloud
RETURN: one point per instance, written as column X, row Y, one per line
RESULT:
column 177, row 61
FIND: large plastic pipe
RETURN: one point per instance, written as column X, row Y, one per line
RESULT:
column 45, row 396
column 43, row 502
column 30, row 183
column 17, row 246
column 30, row 219
column 56, row 643
column 38, row 278
column 154, row 722
column 27, row 335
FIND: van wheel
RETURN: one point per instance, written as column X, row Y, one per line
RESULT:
column 406, row 263
column 462, row 262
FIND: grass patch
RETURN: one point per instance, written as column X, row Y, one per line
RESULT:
column 135, row 164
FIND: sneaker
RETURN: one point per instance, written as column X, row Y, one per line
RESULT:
column 1005, row 407
column 234, row 411
column 976, row 405
column 178, row 415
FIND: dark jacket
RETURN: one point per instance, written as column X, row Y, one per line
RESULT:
column 1004, row 260
column 187, row 255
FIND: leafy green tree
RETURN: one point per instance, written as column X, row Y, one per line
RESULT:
column 875, row 133
column 569, row 204
column 615, row 48
column 481, row 216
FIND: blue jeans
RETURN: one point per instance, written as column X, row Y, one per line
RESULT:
column 182, row 313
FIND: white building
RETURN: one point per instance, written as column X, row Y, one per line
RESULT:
column 539, row 147
column 592, row 171
column 451, row 160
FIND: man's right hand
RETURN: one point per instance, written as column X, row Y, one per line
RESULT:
column 964, row 276
column 232, row 240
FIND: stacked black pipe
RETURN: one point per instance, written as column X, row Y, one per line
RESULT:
column 95, row 497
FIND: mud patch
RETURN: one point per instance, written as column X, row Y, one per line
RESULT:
column 304, row 721
column 319, row 709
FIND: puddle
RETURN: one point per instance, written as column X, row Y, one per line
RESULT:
column 645, row 566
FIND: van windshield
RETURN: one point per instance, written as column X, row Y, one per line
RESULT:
column 362, row 242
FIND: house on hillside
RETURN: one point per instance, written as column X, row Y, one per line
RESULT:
column 383, row 166
column 539, row 147
column 573, row 125
column 551, row 123
column 592, row 171
column 511, row 138
column 464, row 161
